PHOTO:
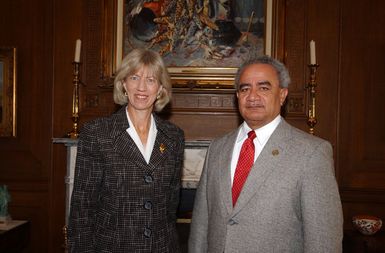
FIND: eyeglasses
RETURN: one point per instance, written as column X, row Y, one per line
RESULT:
column 136, row 79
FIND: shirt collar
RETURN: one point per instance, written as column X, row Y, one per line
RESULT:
column 263, row 133
column 151, row 134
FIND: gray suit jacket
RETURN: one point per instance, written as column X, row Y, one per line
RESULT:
column 119, row 202
column 289, row 203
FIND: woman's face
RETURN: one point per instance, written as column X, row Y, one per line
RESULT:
column 142, row 89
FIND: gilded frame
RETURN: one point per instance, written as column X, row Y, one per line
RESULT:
column 8, row 92
column 183, row 76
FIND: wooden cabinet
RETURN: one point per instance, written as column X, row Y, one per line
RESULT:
column 14, row 237
column 355, row 242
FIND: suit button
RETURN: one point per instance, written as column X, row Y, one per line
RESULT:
column 148, row 179
column 148, row 205
column 147, row 232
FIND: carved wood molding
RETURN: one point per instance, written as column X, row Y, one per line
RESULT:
column 296, row 105
column 204, row 101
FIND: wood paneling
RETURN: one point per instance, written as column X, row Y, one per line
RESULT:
column 204, row 114
column 26, row 160
column 361, row 152
column 362, row 141
column 68, row 26
column 351, row 84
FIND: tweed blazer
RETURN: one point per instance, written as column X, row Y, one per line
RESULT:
column 119, row 202
column 289, row 203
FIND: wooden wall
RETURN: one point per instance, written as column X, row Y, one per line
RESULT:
column 26, row 160
column 351, row 85
column 44, row 33
column 361, row 111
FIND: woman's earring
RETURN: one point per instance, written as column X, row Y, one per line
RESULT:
column 159, row 93
column 125, row 94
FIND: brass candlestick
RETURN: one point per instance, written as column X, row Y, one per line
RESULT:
column 312, row 120
column 75, row 102
column 65, row 233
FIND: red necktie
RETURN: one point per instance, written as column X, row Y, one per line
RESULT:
column 245, row 162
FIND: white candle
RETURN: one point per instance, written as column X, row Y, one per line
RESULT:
column 312, row 52
column 77, row 50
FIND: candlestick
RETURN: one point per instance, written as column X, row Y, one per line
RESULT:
column 77, row 50
column 312, row 52
column 75, row 102
column 312, row 120
column 65, row 233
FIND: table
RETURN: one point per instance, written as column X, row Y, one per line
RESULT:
column 14, row 236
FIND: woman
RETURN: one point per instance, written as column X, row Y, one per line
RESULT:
column 127, row 176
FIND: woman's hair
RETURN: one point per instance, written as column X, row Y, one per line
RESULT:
column 282, row 72
column 134, row 61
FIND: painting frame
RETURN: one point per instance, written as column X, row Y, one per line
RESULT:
column 183, row 76
column 8, row 91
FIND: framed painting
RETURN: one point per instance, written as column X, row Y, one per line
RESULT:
column 203, row 42
column 7, row 92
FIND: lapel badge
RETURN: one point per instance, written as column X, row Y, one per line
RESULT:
column 162, row 148
column 275, row 152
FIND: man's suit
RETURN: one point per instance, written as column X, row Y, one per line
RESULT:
column 289, row 203
column 119, row 202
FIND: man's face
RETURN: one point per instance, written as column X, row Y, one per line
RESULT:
column 259, row 96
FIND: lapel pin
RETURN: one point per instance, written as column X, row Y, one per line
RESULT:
column 162, row 148
column 275, row 152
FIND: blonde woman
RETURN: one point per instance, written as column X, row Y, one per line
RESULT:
column 128, row 167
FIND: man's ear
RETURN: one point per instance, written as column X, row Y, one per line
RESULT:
column 283, row 94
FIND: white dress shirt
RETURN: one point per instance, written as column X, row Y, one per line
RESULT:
column 263, row 135
column 146, row 149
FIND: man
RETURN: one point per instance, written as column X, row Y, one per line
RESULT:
column 288, row 201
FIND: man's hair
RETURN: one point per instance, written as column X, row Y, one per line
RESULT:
column 283, row 73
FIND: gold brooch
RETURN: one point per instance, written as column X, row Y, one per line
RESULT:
column 275, row 152
column 162, row 148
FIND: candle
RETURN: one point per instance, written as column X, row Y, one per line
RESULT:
column 77, row 50
column 312, row 52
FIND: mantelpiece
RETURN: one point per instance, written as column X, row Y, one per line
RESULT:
column 71, row 145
